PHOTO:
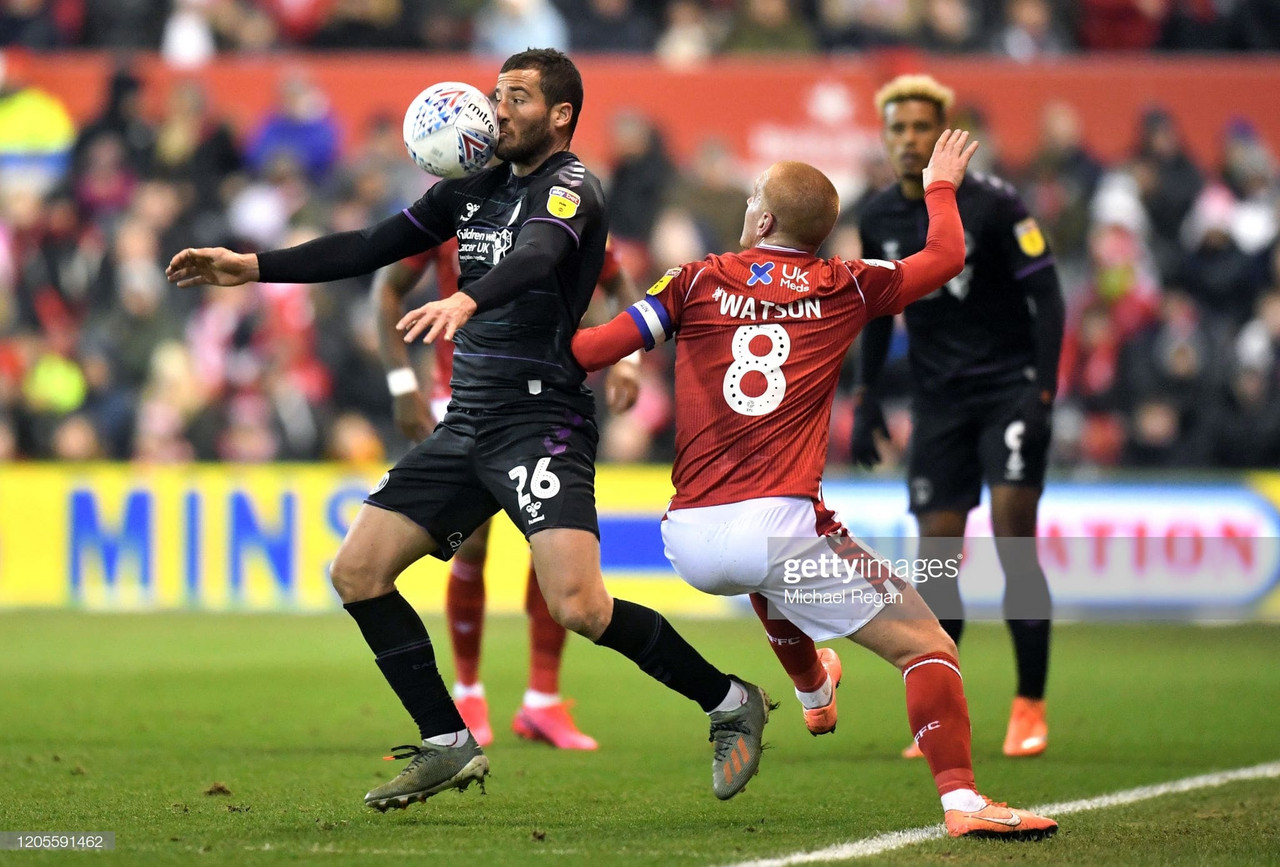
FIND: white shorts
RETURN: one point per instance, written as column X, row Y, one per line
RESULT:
column 783, row 548
column 439, row 406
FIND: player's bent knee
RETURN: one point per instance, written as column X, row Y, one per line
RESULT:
column 584, row 613
column 355, row 580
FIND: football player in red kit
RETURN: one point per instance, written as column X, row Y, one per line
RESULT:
column 543, row 715
column 762, row 336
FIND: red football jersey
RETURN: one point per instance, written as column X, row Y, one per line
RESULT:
column 763, row 334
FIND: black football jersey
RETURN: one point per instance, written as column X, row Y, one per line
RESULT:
column 520, row 351
column 976, row 330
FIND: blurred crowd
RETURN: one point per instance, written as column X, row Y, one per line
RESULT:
column 188, row 32
column 1171, row 270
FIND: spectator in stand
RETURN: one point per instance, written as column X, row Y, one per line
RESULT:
column 300, row 126
column 139, row 319
column 1062, row 181
column 770, row 27
column 1030, row 33
column 1194, row 25
column 1168, row 184
column 1088, row 386
column 121, row 119
column 366, row 24
column 57, row 280
column 1123, row 25
column 123, row 23
column 855, row 24
column 642, row 174
column 1218, row 275
column 1170, row 380
column 614, row 26
column 195, row 148
column 30, row 24
column 949, row 27
column 712, row 195
column 1249, row 171
column 690, row 36
column 1254, row 26
column 504, row 27
column 296, row 21
column 1244, row 429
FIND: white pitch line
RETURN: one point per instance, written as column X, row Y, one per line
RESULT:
column 901, row 839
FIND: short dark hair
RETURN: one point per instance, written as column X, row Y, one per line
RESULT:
column 561, row 81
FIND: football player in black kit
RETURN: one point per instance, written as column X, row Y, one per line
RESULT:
column 519, row 434
column 983, row 354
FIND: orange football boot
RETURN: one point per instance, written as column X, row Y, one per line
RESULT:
column 821, row 720
column 1028, row 733
column 999, row 821
column 474, row 711
column 552, row 725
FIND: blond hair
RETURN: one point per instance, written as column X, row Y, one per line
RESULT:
column 924, row 87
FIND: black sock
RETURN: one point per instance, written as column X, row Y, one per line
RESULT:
column 1031, row 650
column 645, row 637
column 954, row 628
column 395, row 633
column 1028, row 612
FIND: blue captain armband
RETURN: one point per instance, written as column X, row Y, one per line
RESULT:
column 653, row 321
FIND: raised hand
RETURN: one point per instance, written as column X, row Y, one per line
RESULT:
column 212, row 266
column 438, row 319
column 950, row 158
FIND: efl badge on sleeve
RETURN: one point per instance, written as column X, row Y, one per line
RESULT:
column 662, row 282
column 1030, row 238
column 563, row 203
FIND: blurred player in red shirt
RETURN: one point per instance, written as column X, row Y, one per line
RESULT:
column 543, row 715
column 762, row 336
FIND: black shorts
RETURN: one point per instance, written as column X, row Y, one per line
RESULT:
column 958, row 443
column 537, row 466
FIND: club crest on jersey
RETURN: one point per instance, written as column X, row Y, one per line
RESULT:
column 795, row 278
column 891, row 248
column 562, row 202
column 1030, row 238
column 760, row 273
column 663, row 281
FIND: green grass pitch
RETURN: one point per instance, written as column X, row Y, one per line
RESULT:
column 122, row 723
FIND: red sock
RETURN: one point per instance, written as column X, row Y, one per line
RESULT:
column 793, row 648
column 939, row 717
column 464, row 607
column 546, row 640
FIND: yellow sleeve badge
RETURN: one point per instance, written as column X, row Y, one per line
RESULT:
column 562, row 203
column 662, row 282
column 1030, row 238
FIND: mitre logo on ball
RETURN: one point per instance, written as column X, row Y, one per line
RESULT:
column 450, row 130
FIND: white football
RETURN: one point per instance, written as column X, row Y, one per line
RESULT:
column 450, row 129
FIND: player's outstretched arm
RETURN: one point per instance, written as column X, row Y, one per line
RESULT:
column 943, row 255
column 212, row 266
column 410, row 410
column 598, row 347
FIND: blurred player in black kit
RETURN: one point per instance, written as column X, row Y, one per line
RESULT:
column 519, row 434
column 983, row 353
